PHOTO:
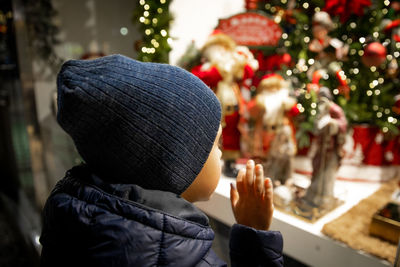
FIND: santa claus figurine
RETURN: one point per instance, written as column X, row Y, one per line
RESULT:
column 274, row 138
column 330, row 134
column 224, row 68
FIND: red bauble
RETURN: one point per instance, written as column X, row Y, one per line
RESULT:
column 374, row 54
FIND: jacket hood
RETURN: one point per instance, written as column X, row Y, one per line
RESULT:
column 104, row 224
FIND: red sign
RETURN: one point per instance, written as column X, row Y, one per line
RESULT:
column 251, row 29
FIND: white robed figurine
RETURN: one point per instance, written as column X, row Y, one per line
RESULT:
column 331, row 128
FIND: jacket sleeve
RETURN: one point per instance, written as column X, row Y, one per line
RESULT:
column 250, row 247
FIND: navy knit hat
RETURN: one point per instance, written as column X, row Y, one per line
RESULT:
column 141, row 123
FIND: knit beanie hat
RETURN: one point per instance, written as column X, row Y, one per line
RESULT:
column 148, row 124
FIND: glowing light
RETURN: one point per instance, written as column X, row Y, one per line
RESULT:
column 375, row 107
column 311, row 61
column 313, row 105
column 287, row 43
column 306, row 39
column 155, row 20
column 123, row 31
column 379, row 114
column 360, row 52
column 162, row 1
column 369, row 93
column 169, row 40
column 147, row 31
column 353, row 25
column 373, row 68
column 381, row 80
column 377, row 92
column 335, row 91
column 142, row 2
column 146, row 7
column 385, row 129
column 163, row 33
column 284, row 36
column 313, row 112
column 375, row 34
column 387, row 111
column 288, row 72
column 396, row 54
column 306, row 5
column 375, row 82
column 362, row 40
column 146, row 13
column 142, row 19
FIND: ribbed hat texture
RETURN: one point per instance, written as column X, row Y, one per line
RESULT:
column 148, row 124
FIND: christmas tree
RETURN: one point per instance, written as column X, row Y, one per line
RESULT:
column 363, row 74
column 153, row 18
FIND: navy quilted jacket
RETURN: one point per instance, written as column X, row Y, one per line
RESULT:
column 88, row 222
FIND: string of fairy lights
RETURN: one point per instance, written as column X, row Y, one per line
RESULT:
column 154, row 20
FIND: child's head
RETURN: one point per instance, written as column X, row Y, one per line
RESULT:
column 148, row 124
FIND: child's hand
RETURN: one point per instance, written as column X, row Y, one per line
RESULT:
column 252, row 200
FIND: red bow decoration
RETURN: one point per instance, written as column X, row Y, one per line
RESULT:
column 345, row 8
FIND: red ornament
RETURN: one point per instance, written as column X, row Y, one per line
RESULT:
column 251, row 4
column 374, row 54
column 396, row 107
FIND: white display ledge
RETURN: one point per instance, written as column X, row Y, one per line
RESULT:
column 302, row 240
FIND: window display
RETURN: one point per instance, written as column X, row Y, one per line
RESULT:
column 322, row 105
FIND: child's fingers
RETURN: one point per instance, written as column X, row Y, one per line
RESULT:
column 259, row 181
column 240, row 185
column 268, row 190
column 234, row 196
column 249, row 177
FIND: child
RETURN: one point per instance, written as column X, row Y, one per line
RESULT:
column 149, row 136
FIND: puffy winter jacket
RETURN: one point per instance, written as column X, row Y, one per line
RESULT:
column 88, row 222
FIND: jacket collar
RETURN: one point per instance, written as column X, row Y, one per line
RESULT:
column 162, row 201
